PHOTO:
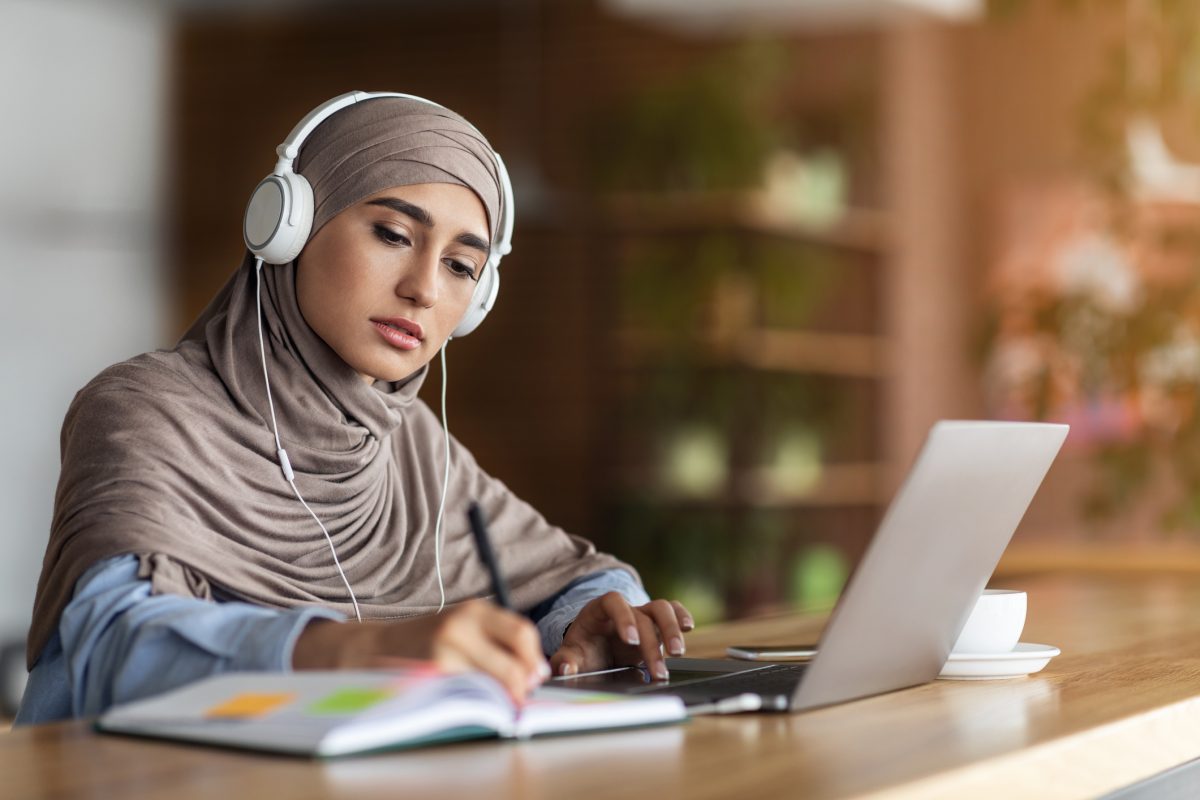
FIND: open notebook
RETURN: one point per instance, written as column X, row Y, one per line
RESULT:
column 338, row 713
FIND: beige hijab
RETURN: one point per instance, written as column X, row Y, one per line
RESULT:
column 169, row 455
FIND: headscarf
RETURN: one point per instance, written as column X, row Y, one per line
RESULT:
column 170, row 456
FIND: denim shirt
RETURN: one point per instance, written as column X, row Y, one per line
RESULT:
column 116, row 642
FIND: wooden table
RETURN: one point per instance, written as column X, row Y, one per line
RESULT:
column 1120, row 704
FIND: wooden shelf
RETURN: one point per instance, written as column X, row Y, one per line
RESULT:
column 849, row 484
column 856, row 228
column 842, row 354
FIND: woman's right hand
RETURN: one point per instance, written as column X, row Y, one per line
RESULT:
column 476, row 635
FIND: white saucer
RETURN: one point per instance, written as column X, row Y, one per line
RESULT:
column 1024, row 659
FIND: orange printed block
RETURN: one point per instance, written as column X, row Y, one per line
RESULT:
column 249, row 704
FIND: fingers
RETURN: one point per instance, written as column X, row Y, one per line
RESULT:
column 686, row 621
column 624, row 620
column 486, row 656
column 651, row 647
column 639, row 630
column 648, row 627
column 569, row 660
column 667, row 620
column 584, row 649
column 504, row 645
column 519, row 636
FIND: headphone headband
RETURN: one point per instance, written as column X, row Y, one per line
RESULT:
column 280, row 212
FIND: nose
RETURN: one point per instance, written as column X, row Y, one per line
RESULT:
column 418, row 281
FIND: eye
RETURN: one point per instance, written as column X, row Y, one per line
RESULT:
column 391, row 237
column 461, row 269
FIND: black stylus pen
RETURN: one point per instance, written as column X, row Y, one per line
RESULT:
column 488, row 556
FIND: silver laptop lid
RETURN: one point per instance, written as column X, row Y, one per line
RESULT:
column 942, row 536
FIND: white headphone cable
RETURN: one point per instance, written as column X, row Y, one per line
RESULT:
column 437, row 528
column 284, row 462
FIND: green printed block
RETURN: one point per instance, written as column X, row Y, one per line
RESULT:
column 349, row 701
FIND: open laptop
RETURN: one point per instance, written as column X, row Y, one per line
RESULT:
column 911, row 593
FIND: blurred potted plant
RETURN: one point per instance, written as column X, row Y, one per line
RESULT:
column 709, row 129
column 1097, row 299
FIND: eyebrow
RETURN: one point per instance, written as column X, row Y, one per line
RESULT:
column 422, row 216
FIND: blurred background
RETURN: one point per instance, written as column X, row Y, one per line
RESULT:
column 761, row 245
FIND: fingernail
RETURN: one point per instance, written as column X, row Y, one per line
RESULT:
column 631, row 635
column 660, row 671
column 689, row 623
column 676, row 646
column 568, row 669
column 535, row 680
column 543, row 669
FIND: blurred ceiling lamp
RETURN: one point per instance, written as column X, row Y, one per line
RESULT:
column 736, row 16
column 1156, row 173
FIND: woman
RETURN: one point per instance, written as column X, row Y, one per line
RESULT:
column 178, row 549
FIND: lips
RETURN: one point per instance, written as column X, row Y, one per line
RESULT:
column 400, row 333
column 402, row 325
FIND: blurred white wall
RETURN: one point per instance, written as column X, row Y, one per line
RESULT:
column 82, row 86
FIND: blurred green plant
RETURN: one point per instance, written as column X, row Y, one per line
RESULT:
column 730, row 563
column 818, row 574
column 792, row 456
column 710, row 128
column 695, row 461
column 794, row 280
column 667, row 285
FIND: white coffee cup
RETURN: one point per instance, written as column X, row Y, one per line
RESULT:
column 995, row 623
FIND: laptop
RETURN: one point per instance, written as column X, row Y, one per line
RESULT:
column 911, row 593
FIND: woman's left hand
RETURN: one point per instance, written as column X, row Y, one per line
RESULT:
column 610, row 632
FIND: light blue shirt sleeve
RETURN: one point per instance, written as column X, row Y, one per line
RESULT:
column 117, row 642
column 553, row 616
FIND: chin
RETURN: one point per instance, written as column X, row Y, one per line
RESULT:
column 391, row 371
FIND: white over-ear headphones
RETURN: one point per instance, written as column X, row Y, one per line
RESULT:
column 279, row 215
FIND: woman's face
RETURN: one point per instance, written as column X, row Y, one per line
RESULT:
column 386, row 281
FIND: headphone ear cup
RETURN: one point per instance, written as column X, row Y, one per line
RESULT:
column 482, row 299
column 279, row 217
